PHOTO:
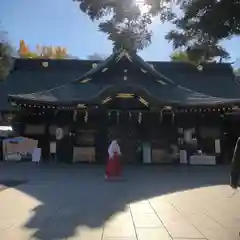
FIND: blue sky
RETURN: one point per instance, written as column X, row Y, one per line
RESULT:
column 55, row 22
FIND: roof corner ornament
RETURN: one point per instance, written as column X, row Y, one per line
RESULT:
column 199, row 67
column 143, row 70
column 94, row 65
column 85, row 80
column 45, row 64
column 104, row 70
column 143, row 101
column 162, row 82
column 106, row 100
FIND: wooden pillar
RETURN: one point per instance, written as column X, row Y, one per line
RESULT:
column 18, row 122
column 64, row 142
column 46, row 145
column 64, row 148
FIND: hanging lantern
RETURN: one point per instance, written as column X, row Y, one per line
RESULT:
column 173, row 117
column 130, row 116
column 139, row 117
column 55, row 112
column 86, row 116
column 75, row 115
column 161, row 116
column 117, row 117
column 9, row 117
column 59, row 134
column 13, row 104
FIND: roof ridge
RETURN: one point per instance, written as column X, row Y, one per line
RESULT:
column 118, row 55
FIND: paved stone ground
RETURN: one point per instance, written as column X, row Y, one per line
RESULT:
column 150, row 203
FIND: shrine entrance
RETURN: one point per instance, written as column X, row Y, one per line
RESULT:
column 124, row 120
column 128, row 138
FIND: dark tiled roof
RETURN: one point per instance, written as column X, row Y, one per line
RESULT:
column 216, row 80
column 75, row 93
column 22, row 81
column 30, row 76
column 210, row 86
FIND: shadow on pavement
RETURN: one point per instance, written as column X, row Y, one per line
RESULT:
column 79, row 196
column 7, row 183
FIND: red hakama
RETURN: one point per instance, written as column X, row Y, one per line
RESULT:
column 113, row 168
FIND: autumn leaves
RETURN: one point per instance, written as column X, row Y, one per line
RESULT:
column 42, row 51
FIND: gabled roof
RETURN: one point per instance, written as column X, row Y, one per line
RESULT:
column 132, row 59
column 89, row 89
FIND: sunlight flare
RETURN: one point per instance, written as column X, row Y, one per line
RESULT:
column 144, row 8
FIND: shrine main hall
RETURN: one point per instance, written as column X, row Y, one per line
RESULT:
column 161, row 112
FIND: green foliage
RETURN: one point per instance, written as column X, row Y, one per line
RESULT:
column 179, row 56
column 203, row 25
column 187, row 56
column 132, row 35
column 197, row 44
column 237, row 72
column 127, row 25
column 218, row 19
column 6, row 60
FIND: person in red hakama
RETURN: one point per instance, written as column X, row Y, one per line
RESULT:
column 113, row 169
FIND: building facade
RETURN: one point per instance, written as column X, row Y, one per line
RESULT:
column 155, row 109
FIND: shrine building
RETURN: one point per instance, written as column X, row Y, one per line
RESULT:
column 151, row 107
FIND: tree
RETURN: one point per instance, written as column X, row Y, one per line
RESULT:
column 6, row 60
column 127, row 24
column 197, row 45
column 132, row 35
column 42, row 51
column 217, row 18
column 237, row 71
column 204, row 24
column 190, row 57
column 96, row 56
column 180, row 56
